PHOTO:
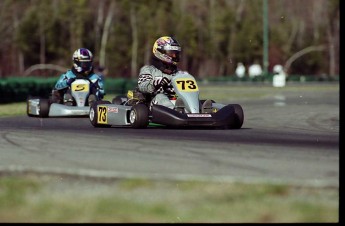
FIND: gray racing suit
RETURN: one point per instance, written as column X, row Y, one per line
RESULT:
column 149, row 78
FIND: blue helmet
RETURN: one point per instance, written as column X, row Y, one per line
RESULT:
column 82, row 60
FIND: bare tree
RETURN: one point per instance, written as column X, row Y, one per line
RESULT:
column 133, row 19
column 333, row 40
column 41, row 30
column 99, row 23
column 301, row 53
column 105, row 34
column 239, row 9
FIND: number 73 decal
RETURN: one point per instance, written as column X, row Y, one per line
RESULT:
column 102, row 116
column 187, row 85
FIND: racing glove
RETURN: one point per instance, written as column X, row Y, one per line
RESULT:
column 69, row 81
column 94, row 86
column 164, row 82
column 99, row 95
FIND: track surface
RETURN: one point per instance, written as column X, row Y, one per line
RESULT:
column 286, row 138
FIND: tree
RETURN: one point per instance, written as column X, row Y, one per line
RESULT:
column 214, row 34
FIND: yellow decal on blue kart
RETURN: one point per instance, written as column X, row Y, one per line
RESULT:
column 102, row 114
column 186, row 85
column 80, row 87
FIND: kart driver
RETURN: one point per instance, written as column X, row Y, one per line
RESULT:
column 155, row 79
column 82, row 68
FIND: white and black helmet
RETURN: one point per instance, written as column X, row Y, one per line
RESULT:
column 82, row 60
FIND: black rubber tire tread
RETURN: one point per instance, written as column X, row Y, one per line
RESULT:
column 142, row 116
column 44, row 108
column 239, row 117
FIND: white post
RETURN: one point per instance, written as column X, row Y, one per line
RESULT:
column 279, row 77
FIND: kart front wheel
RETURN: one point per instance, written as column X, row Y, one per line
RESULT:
column 44, row 106
column 239, row 117
column 139, row 116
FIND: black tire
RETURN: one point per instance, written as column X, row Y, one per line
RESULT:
column 93, row 114
column 44, row 108
column 239, row 117
column 119, row 100
column 139, row 116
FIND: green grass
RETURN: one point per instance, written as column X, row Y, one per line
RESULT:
column 13, row 109
column 56, row 199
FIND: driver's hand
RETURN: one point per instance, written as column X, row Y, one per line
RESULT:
column 165, row 81
column 94, row 85
column 69, row 81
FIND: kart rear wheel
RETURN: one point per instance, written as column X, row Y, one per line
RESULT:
column 239, row 117
column 44, row 106
column 139, row 116
column 94, row 114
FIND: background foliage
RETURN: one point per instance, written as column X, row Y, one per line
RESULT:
column 214, row 34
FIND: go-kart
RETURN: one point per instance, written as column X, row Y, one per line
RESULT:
column 134, row 110
column 44, row 107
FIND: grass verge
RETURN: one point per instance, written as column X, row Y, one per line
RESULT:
column 33, row 198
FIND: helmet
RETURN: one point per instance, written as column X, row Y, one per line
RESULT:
column 82, row 60
column 167, row 49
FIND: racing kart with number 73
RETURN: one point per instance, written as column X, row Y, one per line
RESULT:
column 134, row 110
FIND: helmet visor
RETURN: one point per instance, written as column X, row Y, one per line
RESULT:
column 174, row 54
column 85, row 66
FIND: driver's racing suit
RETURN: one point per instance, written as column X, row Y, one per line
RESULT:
column 60, row 88
column 149, row 79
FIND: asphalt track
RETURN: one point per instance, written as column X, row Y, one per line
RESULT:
column 290, row 137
